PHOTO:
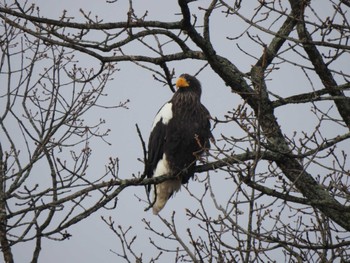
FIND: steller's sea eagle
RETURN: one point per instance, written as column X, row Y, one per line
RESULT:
column 180, row 134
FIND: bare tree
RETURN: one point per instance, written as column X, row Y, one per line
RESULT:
column 288, row 192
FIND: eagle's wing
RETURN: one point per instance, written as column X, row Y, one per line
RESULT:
column 209, row 135
column 157, row 138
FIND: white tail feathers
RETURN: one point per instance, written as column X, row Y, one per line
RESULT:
column 163, row 191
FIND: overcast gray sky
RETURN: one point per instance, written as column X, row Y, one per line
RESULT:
column 91, row 239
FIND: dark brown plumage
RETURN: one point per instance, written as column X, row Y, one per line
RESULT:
column 180, row 133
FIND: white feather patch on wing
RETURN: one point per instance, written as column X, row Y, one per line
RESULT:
column 165, row 114
column 164, row 190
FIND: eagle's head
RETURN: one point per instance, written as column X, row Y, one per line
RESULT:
column 188, row 83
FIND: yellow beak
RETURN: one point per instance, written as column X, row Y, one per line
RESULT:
column 182, row 83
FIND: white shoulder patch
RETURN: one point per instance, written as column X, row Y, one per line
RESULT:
column 165, row 114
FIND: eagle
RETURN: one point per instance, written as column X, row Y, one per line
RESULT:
column 180, row 134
